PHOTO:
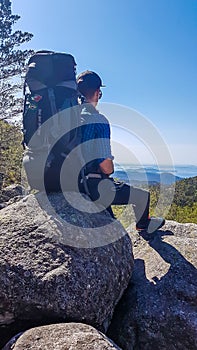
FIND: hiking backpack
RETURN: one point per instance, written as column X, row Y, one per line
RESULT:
column 50, row 118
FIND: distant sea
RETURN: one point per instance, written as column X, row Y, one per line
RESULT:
column 151, row 173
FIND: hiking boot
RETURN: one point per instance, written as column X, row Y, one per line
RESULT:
column 154, row 224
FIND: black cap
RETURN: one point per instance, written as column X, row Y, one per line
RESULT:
column 89, row 80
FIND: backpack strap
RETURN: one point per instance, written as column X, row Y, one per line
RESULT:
column 71, row 84
column 51, row 96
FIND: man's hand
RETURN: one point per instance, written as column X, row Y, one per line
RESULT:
column 107, row 166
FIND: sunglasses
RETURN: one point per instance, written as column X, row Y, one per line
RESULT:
column 100, row 94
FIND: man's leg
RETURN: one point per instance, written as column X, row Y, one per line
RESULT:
column 91, row 189
column 140, row 199
column 120, row 194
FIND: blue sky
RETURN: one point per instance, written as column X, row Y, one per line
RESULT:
column 144, row 50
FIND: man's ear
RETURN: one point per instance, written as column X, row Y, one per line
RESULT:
column 97, row 93
column 95, row 97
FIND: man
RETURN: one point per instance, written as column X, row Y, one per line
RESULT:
column 96, row 149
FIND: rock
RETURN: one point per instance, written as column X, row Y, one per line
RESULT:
column 59, row 263
column 10, row 194
column 76, row 336
column 159, row 308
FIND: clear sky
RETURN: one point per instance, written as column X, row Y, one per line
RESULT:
column 144, row 50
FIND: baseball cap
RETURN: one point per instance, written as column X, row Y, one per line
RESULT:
column 89, row 80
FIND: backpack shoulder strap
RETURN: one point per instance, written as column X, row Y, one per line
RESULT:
column 51, row 96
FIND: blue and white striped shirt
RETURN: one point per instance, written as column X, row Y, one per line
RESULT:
column 95, row 137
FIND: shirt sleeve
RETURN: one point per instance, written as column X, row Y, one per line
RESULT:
column 103, row 135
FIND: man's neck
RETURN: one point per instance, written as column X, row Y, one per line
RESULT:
column 93, row 103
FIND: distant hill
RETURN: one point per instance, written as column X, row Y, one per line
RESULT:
column 168, row 178
column 151, row 177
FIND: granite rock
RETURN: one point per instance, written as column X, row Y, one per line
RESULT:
column 159, row 308
column 65, row 336
column 59, row 263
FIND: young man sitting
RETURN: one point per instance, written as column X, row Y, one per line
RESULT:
column 96, row 180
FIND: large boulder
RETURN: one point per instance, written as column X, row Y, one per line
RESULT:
column 159, row 308
column 76, row 336
column 60, row 262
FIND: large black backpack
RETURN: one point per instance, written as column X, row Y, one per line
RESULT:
column 51, row 118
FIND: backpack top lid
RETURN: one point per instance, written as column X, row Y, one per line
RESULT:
column 50, row 68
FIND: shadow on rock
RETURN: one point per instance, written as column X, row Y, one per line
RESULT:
column 158, row 309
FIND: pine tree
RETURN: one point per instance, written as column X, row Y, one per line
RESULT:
column 12, row 62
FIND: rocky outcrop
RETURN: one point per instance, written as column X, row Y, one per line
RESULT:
column 76, row 336
column 59, row 263
column 159, row 308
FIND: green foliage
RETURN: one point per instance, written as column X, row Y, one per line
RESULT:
column 183, row 208
column 124, row 213
column 186, row 192
column 12, row 62
column 187, row 213
column 10, row 153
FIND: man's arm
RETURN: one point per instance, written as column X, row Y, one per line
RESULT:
column 98, row 131
column 106, row 165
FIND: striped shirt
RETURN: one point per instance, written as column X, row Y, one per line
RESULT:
column 95, row 137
